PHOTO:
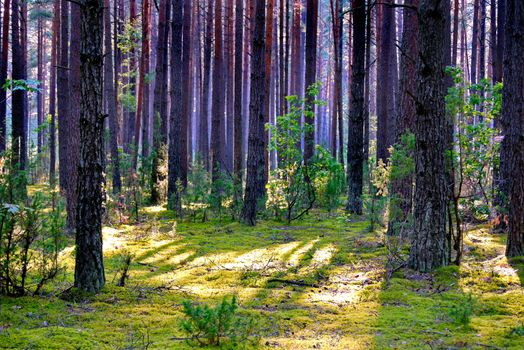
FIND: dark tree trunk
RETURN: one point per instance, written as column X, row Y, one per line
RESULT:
column 367, row 84
column 159, row 171
column 63, row 95
column 255, row 157
column 499, row 51
column 386, row 110
column 52, row 95
column 513, row 123
column 141, row 106
column 146, row 54
column 17, row 101
column 175, row 118
column 237, row 160
column 217, row 122
column 402, row 189
column 73, row 133
column 455, row 32
column 482, row 41
column 3, row 73
column 204, row 109
column 267, row 79
column 40, row 78
column 429, row 248
column 355, row 158
column 89, row 267
column 229, row 61
column 311, row 74
column 187, row 87
column 474, row 42
column 111, row 107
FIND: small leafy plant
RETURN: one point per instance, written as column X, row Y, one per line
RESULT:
column 219, row 325
column 461, row 312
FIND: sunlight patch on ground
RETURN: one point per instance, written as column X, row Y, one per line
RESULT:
column 112, row 238
column 261, row 259
column 323, row 256
column 294, row 259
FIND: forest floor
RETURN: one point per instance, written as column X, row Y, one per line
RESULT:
column 318, row 283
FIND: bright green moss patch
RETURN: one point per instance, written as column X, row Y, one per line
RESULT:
column 318, row 283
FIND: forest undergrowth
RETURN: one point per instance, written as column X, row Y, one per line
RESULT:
column 317, row 283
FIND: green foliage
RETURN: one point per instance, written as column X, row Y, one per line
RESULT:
column 21, row 84
column 290, row 189
column 220, row 325
column 476, row 152
column 195, row 201
column 329, row 179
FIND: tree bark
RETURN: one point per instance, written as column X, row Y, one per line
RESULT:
column 3, row 73
column 513, row 123
column 430, row 248
column 355, row 158
column 255, row 157
column 63, row 96
column 175, row 118
column 89, row 266
column 311, row 75
column 187, row 87
column 237, row 160
column 111, row 107
column 159, row 168
column 52, row 95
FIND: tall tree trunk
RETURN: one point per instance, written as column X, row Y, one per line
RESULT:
column 237, row 160
column 401, row 201
column 475, row 41
column 356, row 114
column 63, row 94
column 187, row 87
column 40, row 78
column 159, row 171
column 386, row 109
column 52, row 94
column 311, row 74
column 513, row 123
column 217, row 122
column 89, row 266
column 3, row 73
column 367, row 84
column 255, row 157
column 111, row 107
column 455, row 32
column 204, row 109
column 229, row 61
column 17, row 101
column 482, row 41
column 141, row 107
column 429, row 248
column 73, row 133
column 267, row 80
column 175, row 119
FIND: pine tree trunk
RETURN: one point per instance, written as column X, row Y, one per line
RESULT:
column 356, row 114
column 52, row 95
column 63, row 95
column 430, row 248
column 217, row 121
column 475, row 41
column 187, row 87
column 255, row 156
column 3, row 73
column 239, row 65
column 159, row 168
column 89, row 266
column 311, row 74
column 175, row 118
column 513, row 123
column 111, row 107
column 204, row 109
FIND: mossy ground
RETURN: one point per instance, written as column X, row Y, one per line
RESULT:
column 340, row 301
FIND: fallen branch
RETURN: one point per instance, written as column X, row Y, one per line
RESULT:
column 293, row 282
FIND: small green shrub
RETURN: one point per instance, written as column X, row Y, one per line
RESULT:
column 518, row 331
column 220, row 325
column 461, row 312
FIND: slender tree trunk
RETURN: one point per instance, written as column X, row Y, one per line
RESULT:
column 429, row 248
column 17, row 102
column 356, row 114
column 475, row 41
column 40, row 78
column 141, row 107
column 52, row 94
column 513, row 123
column 111, row 106
column 73, row 133
column 239, row 64
column 204, row 109
column 89, row 267
column 3, row 73
column 175, row 119
column 311, row 74
column 63, row 94
column 186, row 91
column 482, row 41
column 386, row 109
column 267, row 80
column 217, row 122
column 455, row 32
column 159, row 173
column 367, row 84
column 255, row 157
